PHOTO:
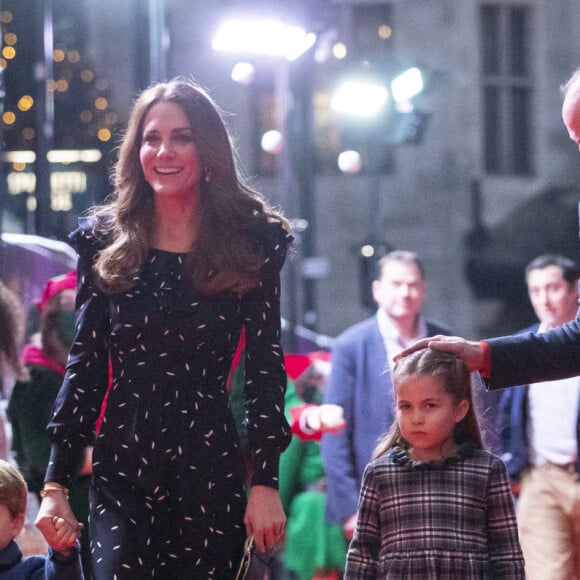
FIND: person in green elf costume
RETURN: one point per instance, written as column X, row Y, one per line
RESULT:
column 312, row 547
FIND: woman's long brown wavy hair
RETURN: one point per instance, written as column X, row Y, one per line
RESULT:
column 225, row 255
column 456, row 381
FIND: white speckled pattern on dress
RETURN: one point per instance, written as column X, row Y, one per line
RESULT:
column 168, row 497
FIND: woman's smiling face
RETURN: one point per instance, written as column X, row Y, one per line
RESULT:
column 168, row 154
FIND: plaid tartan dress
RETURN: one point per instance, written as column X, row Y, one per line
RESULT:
column 438, row 520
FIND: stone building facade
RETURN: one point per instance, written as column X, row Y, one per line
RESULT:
column 492, row 180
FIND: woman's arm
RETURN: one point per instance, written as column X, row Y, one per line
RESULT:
column 72, row 425
column 265, row 385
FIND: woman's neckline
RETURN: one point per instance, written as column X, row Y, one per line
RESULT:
column 169, row 252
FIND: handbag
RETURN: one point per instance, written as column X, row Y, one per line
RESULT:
column 254, row 564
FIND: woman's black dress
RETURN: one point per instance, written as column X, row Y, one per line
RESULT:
column 168, row 496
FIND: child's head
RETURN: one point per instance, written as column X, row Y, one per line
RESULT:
column 57, row 316
column 434, row 404
column 12, row 503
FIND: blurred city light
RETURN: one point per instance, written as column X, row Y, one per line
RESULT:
column 19, row 156
column 349, row 162
column 360, row 98
column 55, row 156
column 8, row 52
column 367, row 251
column 263, row 37
column 74, row 155
column 243, row 73
column 272, row 142
column 25, row 103
column 9, row 118
column 339, row 51
column 407, row 85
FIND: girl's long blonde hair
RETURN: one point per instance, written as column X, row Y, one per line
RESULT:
column 225, row 255
column 457, row 382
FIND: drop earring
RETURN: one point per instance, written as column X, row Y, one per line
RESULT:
column 207, row 174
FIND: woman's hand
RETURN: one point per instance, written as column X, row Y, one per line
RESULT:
column 265, row 518
column 470, row 352
column 57, row 523
column 65, row 533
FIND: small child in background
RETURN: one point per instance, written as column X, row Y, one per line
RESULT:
column 55, row 566
column 434, row 504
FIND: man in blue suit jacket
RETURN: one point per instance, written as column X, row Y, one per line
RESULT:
column 360, row 379
column 540, row 437
column 532, row 357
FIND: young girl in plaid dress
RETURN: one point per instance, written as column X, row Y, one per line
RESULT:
column 434, row 503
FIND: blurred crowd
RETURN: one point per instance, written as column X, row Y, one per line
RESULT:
column 329, row 398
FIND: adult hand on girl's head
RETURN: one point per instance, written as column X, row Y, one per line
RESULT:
column 265, row 518
column 470, row 352
column 57, row 523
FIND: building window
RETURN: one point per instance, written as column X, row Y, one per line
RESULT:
column 507, row 89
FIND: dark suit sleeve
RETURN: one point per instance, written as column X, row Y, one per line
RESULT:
column 533, row 358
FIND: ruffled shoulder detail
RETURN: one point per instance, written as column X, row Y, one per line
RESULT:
column 88, row 242
column 86, row 228
column 86, row 234
column 399, row 456
column 274, row 241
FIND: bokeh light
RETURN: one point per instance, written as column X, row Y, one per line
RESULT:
column 25, row 103
column 8, row 52
column 104, row 135
column 272, row 142
column 349, row 162
column 9, row 118
column 101, row 103
column 243, row 73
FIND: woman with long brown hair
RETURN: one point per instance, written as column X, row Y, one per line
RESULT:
column 170, row 271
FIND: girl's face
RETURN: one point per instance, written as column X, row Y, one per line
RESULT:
column 427, row 416
column 168, row 154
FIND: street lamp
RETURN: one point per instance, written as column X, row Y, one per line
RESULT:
column 386, row 115
column 263, row 37
column 360, row 98
column 407, row 85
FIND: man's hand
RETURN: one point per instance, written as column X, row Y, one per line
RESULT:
column 470, row 352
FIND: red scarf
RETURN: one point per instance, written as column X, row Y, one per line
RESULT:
column 32, row 355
